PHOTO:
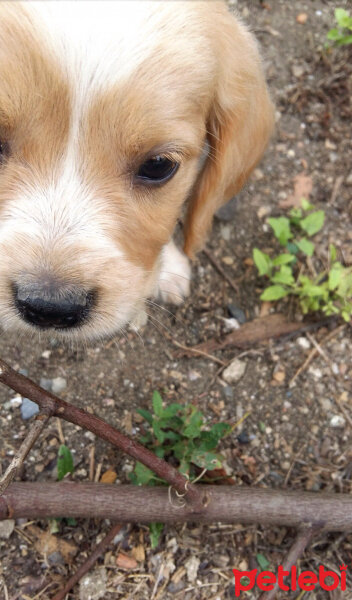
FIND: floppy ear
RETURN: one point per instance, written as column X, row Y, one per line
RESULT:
column 238, row 127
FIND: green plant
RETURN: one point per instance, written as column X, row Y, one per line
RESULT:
column 64, row 466
column 342, row 34
column 177, row 433
column 329, row 291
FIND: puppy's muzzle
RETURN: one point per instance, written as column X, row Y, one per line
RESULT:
column 53, row 307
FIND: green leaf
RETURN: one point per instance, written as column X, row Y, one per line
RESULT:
column 333, row 35
column 194, row 424
column 345, row 40
column 281, row 228
column 343, row 18
column 262, row 262
column 206, row 460
column 274, row 292
column 335, row 274
column 64, row 462
column 332, row 252
column 262, row 561
column 313, row 222
column 158, row 432
column 219, row 430
column 155, row 531
column 305, row 246
column 306, row 205
column 143, row 474
column 292, row 248
column 283, row 259
column 146, row 415
column 157, row 404
column 171, row 410
column 283, row 276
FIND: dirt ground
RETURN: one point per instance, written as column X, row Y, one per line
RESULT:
column 296, row 437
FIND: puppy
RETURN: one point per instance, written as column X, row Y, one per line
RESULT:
column 113, row 115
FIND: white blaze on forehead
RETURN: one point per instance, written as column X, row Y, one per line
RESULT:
column 98, row 42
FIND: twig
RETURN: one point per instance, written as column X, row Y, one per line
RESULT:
column 336, row 189
column 220, row 270
column 145, row 504
column 87, row 565
column 48, row 402
column 304, row 537
column 313, row 353
column 30, row 439
column 198, row 352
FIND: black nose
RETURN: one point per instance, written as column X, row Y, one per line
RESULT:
column 60, row 310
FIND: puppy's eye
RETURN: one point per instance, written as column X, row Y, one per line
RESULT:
column 157, row 169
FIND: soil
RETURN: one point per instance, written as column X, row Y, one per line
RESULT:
column 296, row 437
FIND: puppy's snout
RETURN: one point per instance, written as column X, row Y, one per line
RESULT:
column 55, row 308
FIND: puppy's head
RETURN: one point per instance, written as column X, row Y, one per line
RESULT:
column 105, row 110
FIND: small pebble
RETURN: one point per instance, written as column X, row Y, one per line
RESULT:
column 59, row 384
column 46, row 354
column 303, row 343
column 243, row 437
column 46, row 383
column 235, row 371
column 236, row 313
column 23, row 372
column 28, row 409
column 6, row 528
column 191, row 565
column 337, row 421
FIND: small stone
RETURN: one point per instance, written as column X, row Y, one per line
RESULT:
column 6, row 528
column 194, row 375
column 297, row 71
column 23, row 372
column 16, row 401
column 225, row 232
column 237, row 313
column 28, row 409
column 231, row 324
column 59, row 384
column 46, row 383
column 93, row 585
column 46, row 354
column 243, row 437
column 325, row 404
column 235, row 371
column 302, row 18
column 303, row 343
column 56, row 558
column 228, row 260
column 176, row 375
column 279, row 376
column 337, row 421
column 317, row 373
column 221, row 560
column 191, row 566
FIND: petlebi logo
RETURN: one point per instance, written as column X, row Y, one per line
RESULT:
column 289, row 581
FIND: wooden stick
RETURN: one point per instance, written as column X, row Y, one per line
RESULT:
column 129, row 503
column 87, row 565
column 304, row 537
column 17, row 461
column 54, row 405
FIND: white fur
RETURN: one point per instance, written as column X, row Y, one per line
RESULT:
column 175, row 275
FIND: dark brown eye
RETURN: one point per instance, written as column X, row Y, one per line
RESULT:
column 157, row 169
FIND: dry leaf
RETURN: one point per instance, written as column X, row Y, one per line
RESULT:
column 138, row 553
column 125, row 562
column 47, row 543
column 108, row 477
column 303, row 185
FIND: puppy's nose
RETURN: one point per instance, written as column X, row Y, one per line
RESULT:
column 45, row 309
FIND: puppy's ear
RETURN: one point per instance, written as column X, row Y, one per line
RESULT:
column 238, row 127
